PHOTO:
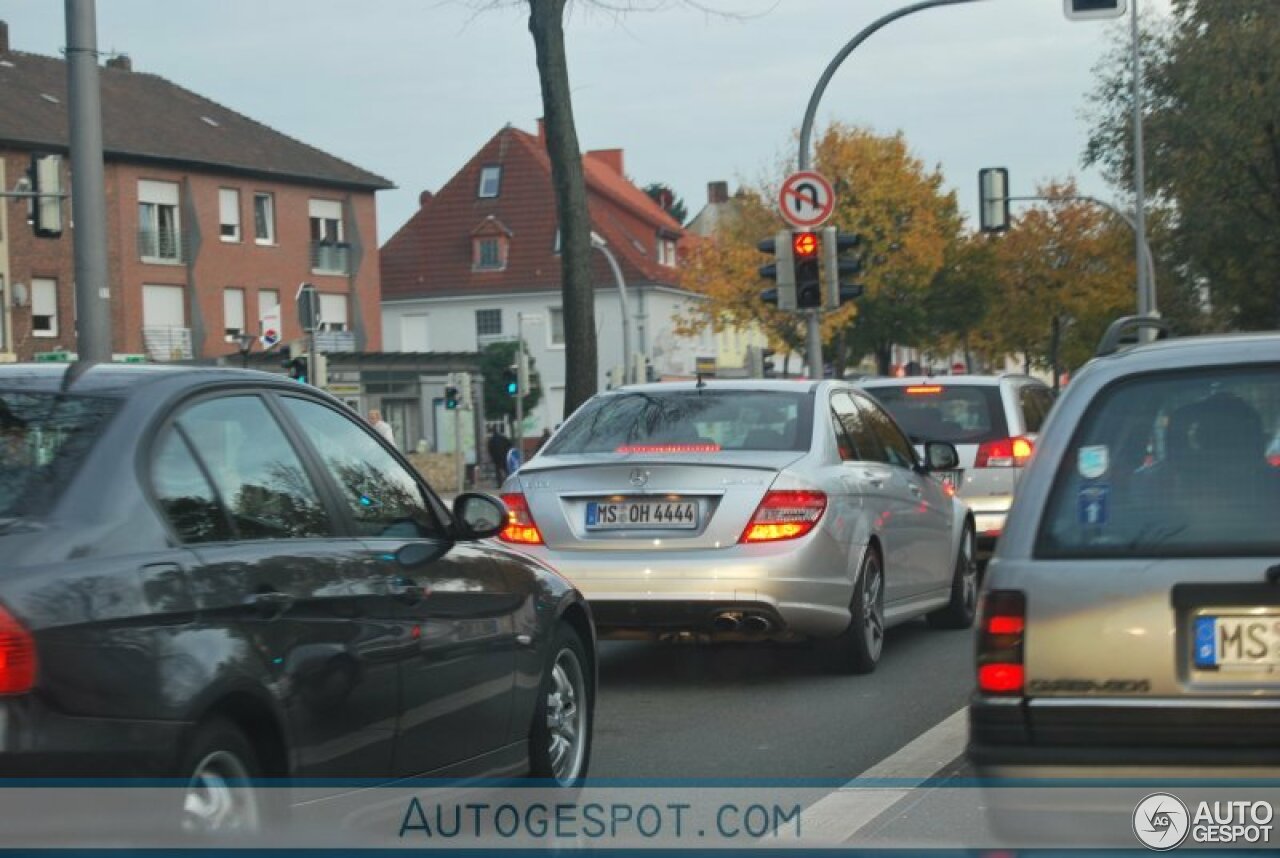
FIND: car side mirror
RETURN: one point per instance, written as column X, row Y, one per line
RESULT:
column 420, row 552
column 940, row 456
column 478, row 516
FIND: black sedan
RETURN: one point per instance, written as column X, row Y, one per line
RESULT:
column 216, row 574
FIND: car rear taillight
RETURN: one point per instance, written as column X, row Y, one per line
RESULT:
column 17, row 656
column 520, row 528
column 1005, row 453
column 1274, row 460
column 1000, row 638
column 785, row 514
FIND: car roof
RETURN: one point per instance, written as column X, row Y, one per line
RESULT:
column 798, row 385
column 970, row 380
column 1191, row 350
column 116, row 379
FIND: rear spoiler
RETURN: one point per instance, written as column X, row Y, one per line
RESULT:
column 1115, row 337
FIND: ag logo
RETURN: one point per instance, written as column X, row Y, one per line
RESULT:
column 1161, row 821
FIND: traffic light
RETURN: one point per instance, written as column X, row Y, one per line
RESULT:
column 1092, row 10
column 767, row 367
column 993, row 208
column 781, row 271
column 451, row 398
column 298, row 369
column 806, row 250
column 511, row 380
column 837, row 267
column 46, row 206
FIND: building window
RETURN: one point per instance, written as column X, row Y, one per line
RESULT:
column 490, row 181
column 333, row 312
column 229, row 214
column 329, row 252
column 232, row 312
column 488, row 323
column 667, row 252
column 44, row 307
column 164, row 323
column 489, row 254
column 555, row 330
column 268, row 302
column 159, row 228
column 264, row 218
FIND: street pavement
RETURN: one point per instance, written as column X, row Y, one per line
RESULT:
column 683, row 710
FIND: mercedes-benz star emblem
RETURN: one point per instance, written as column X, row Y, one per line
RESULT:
column 639, row 477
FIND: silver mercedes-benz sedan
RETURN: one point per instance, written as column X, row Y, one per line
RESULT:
column 748, row 510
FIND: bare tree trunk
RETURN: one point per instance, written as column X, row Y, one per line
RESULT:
column 884, row 357
column 546, row 24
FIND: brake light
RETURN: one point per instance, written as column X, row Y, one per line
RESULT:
column 788, row 514
column 1005, row 453
column 1000, row 642
column 924, row 389
column 669, row 448
column 1274, row 460
column 520, row 528
column 17, row 656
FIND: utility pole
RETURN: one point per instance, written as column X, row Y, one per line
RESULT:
column 88, row 185
column 1146, row 284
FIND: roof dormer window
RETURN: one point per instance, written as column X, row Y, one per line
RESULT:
column 490, row 181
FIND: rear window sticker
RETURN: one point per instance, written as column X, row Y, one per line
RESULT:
column 1094, row 505
column 1093, row 462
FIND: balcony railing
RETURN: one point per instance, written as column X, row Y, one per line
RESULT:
column 335, row 341
column 163, row 245
column 330, row 257
column 165, row 344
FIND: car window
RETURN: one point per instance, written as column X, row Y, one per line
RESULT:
column 43, row 439
column 937, row 411
column 1035, row 403
column 383, row 497
column 257, row 473
column 1171, row 465
column 703, row 421
column 847, row 451
column 897, row 449
column 867, row 447
column 188, row 500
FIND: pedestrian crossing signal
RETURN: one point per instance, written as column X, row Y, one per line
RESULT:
column 451, row 398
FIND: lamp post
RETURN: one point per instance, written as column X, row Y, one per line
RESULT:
column 598, row 242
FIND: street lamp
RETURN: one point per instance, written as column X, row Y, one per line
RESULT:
column 598, row 242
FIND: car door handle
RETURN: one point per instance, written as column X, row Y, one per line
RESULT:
column 406, row 589
column 271, row 603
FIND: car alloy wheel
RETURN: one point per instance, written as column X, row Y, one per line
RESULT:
column 219, row 798
column 873, row 609
column 566, row 717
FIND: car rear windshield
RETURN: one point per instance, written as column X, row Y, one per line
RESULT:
column 955, row 413
column 1172, row 465
column 688, row 421
column 43, row 437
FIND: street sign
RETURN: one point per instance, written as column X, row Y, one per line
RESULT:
column 806, row 199
column 513, row 460
column 1093, row 10
column 129, row 358
column 54, row 357
column 270, row 323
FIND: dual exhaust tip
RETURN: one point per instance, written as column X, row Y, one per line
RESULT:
column 737, row 621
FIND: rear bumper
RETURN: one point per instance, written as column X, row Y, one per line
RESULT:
column 989, row 515
column 36, row 741
column 803, row 587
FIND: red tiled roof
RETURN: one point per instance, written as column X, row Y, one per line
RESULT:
column 431, row 254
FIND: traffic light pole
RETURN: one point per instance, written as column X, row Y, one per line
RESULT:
column 811, row 112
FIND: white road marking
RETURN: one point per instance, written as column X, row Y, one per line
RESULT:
column 837, row 817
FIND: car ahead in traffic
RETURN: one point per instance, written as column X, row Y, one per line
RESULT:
column 213, row 575
column 993, row 421
column 748, row 510
column 1131, row 615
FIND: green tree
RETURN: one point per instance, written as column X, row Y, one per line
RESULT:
column 495, row 360
column 1212, row 121
column 667, row 200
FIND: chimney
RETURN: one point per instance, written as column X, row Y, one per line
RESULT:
column 611, row 158
column 4, row 37
column 424, row 198
column 717, row 192
column 120, row 62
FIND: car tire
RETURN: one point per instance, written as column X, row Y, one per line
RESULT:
column 219, row 796
column 960, row 611
column 560, row 737
column 857, row 649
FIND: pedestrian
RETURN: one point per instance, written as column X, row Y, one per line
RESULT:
column 499, row 446
column 381, row 426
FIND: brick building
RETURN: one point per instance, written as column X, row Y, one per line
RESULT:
column 212, row 220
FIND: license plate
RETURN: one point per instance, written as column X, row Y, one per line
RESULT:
column 955, row 479
column 649, row 515
column 1237, row 641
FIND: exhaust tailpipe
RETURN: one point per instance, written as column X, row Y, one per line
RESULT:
column 757, row 624
column 726, row 622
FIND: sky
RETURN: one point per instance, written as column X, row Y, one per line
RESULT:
column 410, row 89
